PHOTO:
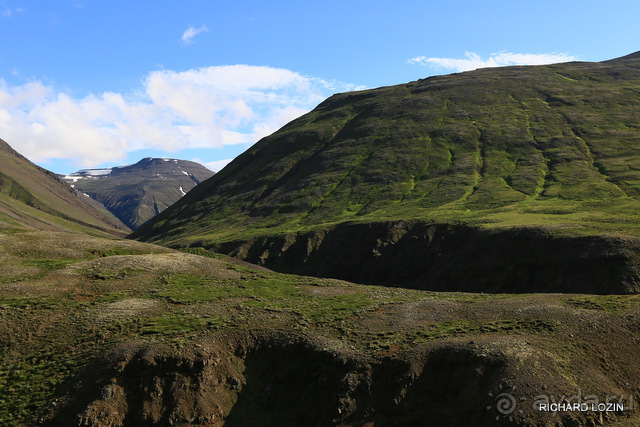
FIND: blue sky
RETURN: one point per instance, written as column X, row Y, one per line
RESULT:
column 94, row 83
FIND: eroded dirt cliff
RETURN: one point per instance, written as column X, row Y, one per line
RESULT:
column 444, row 257
column 276, row 379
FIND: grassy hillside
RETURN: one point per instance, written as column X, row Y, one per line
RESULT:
column 110, row 332
column 549, row 151
column 408, row 184
column 34, row 198
column 540, row 145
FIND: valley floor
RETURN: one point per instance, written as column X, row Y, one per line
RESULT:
column 113, row 332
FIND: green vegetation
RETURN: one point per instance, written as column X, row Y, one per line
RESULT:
column 610, row 303
column 201, row 252
column 67, row 310
column 26, row 385
column 46, row 265
column 464, row 326
column 550, row 146
column 383, row 341
column 174, row 324
column 273, row 292
column 549, row 151
column 33, row 198
column 116, row 251
column 521, row 158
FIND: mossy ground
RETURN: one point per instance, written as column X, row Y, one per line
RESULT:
column 58, row 313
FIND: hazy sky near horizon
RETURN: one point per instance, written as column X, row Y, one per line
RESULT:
column 91, row 83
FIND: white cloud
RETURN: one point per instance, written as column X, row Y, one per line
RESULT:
column 199, row 108
column 7, row 12
column 474, row 61
column 215, row 166
column 191, row 32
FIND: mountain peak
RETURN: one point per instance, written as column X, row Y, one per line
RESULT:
column 159, row 160
column 135, row 193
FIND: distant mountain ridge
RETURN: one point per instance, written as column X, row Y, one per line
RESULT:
column 33, row 198
column 467, row 165
column 135, row 193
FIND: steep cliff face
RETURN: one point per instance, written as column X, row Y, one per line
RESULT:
column 445, row 257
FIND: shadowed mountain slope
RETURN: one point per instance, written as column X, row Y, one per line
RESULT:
column 555, row 149
column 32, row 197
column 135, row 193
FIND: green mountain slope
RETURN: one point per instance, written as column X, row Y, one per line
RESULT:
column 554, row 148
column 34, row 198
column 135, row 193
